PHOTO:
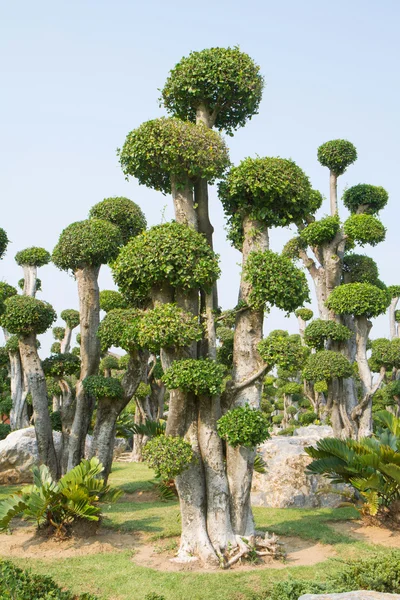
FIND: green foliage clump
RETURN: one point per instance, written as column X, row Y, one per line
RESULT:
column 109, row 362
column 34, row 257
column 6, row 291
column 291, row 388
column 170, row 253
column 168, row 326
column 143, row 390
column 168, row 456
column 365, row 198
column 25, row 315
column 225, row 336
column 321, row 387
column 18, row 584
column 275, row 281
column 319, row 331
column 71, row 317
column 103, row 387
column 308, row 418
column 167, row 149
column 282, row 350
column 123, row 362
column 3, row 242
column 56, row 421
column 58, row 333
column 89, row 243
column 111, row 300
column 380, row 573
column 364, row 229
column 77, row 495
column 385, row 353
column 4, row 430
column 391, row 391
column 38, row 284
column 272, row 190
column 370, row 465
column 243, row 426
column 277, row 419
column 320, row 232
column 394, row 291
column 225, row 81
column 337, row 155
column 293, row 247
column 59, row 365
column 358, row 268
column 202, row 377
column 326, row 365
column 123, row 213
column 397, row 316
column 358, row 299
column 306, row 314
column 119, row 328
column 55, row 348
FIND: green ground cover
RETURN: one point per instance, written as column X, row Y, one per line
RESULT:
column 115, row 576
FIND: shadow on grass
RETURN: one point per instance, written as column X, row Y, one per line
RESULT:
column 307, row 524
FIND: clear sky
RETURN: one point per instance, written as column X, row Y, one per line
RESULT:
column 78, row 75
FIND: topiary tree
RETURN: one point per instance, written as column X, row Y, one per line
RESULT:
column 27, row 317
column 337, row 155
column 111, row 299
column 303, row 315
column 394, row 291
column 169, row 155
column 168, row 326
column 365, row 198
column 109, row 363
column 320, row 333
column 111, row 400
column 82, row 248
column 30, row 259
column 71, row 318
column 364, row 229
column 123, row 213
column 362, row 301
column 358, row 268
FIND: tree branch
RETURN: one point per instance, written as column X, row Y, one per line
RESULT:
column 251, row 379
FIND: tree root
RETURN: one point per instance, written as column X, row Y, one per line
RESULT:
column 261, row 545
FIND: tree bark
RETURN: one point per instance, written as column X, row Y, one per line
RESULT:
column 89, row 308
column 246, row 362
column 392, row 319
column 30, row 279
column 182, row 195
column 66, row 341
column 19, row 411
column 333, row 194
column 37, row 385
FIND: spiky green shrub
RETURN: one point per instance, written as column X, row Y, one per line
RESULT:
column 370, row 465
column 77, row 495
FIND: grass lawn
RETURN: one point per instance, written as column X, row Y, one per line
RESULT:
column 115, row 576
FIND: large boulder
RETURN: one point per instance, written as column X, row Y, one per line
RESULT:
column 360, row 595
column 285, row 483
column 19, row 453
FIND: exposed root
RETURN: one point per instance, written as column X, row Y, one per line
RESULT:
column 261, row 545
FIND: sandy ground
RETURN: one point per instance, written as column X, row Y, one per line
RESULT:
column 368, row 534
column 24, row 542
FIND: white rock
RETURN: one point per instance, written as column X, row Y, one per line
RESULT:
column 285, row 484
column 19, row 452
column 360, row 595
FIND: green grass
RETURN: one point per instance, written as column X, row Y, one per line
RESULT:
column 115, row 576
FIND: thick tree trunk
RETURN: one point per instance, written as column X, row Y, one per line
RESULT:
column 19, row 411
column 246, row 362
column 392, row 318
column 182, row 195
column 89, row 308
column 37, row 386
column 67, row 410
column 333, row 194
column 66, row 341
column 30, row 279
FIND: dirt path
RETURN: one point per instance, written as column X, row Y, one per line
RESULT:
column 368, row 534
column 24, row 542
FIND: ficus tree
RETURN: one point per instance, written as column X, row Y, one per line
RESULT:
column 30, row 259
column 26, row 317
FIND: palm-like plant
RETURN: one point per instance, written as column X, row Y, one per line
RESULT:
column 75, row 496
column 370, row 465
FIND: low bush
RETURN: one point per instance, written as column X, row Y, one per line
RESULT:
column 17, row 584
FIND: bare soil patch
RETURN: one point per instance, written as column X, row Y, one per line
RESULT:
column 367, row 533
column 26, row 542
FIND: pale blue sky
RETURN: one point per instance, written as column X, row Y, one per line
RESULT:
column 77, row 76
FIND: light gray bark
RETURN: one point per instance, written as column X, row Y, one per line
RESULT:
column 66, row 341
column 19, row 411
column 89, row 308
column 246, row 362
column 30, row 278
column 333, row 193
column 182, row 195
column 392, row 319
column 37, row 385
